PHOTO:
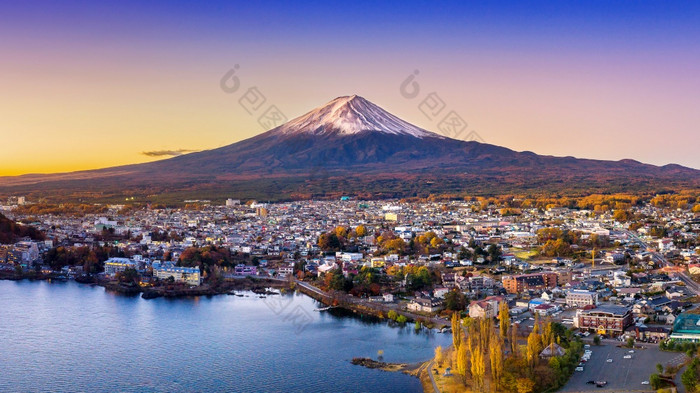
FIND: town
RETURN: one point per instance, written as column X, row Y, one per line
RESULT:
column 610, row 267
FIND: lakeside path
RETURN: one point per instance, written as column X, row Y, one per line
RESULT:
column 432, row 379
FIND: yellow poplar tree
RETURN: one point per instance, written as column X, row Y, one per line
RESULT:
column 462, row 360
column 439, row 355
column 504, row 318
column 456, row 330
column 534, row 347
column 478, row 368
column 496, row 358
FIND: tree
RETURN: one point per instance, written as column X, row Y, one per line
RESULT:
column 341, row 232
column 485, row 332
column 655, row 381
column 464, row 254
column 462, row 360
column 534, row 347
column 525, row 385
column 504, row 319
column 514, row 340
column 547, row 334
column 329, row 242
column 689, row 378
column 496, row 360
column 630, row 342
column 596, row 339
column 494, row 253
column 455, row 300
column 361, row 231
column 456, row 330
column 478, row 367
column 129, row 275
column 439, row 356
column 659, row 368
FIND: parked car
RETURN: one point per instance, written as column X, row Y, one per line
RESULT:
column 627, row 357
column 579, row 369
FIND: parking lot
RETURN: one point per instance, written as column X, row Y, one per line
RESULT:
column 622, row 375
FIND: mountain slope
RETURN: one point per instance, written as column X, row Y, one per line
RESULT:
column 352, row 146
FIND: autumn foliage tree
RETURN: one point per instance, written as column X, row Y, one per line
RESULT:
column 10, row 231
column 496, row 360
column 504, row 319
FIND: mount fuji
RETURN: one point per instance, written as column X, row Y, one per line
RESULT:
column 352, row 146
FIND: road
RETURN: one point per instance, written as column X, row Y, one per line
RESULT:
column 432, row 379
column 657, row 257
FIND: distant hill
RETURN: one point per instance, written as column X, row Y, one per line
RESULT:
column 351, row 146
column 11, row 232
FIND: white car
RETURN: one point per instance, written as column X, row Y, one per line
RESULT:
column 645, row 382
column 630, row 351
column 627, row 357
column 579, row 369
column 587, row 346
column 609, row 360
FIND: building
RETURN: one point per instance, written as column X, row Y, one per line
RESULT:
column 580, row 298
column 377, row 263
column 245, row 270
column 262, row 211
column 545, row 309
column 440, row 292
column 188, row 275
column 232, row 202
column 392, row 216
column 487, row 308
column 534, row 281
column 648, row 333
column 117, row 265
column 686, row 327
column 551, row 351
column 421, row 304
column 610, row 320
column 28, row 250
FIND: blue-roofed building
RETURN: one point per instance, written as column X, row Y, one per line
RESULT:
column 188, row 275
column 686, row 327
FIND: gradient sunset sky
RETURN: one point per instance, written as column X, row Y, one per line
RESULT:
column 88, row 85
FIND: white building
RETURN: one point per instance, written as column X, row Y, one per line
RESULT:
column 189, row 275
column 578, row 298
column 116, row 265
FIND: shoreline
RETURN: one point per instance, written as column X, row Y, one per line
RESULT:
column 257, row 285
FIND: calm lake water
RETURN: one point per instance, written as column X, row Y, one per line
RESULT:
column 69, row 337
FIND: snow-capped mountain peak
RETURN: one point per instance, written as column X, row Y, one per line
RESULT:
column 349, row 115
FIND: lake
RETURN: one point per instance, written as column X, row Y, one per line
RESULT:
column 70, row 337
